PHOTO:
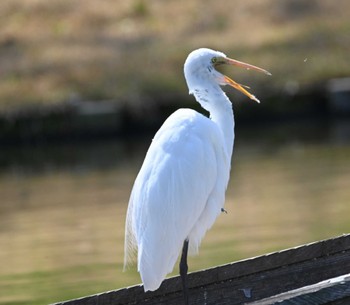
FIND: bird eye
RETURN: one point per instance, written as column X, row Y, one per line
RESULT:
column 213, row 60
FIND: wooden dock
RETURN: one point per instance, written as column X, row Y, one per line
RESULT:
column 315, row 274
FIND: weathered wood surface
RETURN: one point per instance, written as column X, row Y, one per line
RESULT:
column 332, row 291
column 246, row 281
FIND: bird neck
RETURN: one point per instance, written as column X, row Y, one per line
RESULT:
column 221, row 112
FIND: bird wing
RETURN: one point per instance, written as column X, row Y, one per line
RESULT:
column 171, row 191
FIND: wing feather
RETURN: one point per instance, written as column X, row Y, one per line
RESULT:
column 171, row 192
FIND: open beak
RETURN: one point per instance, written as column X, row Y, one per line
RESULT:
column 237, row 86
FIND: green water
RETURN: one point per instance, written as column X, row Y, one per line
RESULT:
column 63, row 207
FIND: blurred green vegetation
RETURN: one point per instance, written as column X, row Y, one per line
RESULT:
column 54, row 51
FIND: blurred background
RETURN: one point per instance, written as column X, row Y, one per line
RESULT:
column 84, row 86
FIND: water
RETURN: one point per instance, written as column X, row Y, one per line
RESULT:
column 63, row 207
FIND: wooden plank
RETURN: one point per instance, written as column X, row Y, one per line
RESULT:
column 244, row 281
column 326, row 292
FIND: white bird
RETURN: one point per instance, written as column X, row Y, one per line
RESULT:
column 180, row 189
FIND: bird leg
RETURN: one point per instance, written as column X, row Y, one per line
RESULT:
column 184, row 269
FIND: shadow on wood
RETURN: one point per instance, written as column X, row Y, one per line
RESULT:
column 316, row 273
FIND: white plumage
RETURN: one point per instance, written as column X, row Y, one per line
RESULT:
column 180, row 189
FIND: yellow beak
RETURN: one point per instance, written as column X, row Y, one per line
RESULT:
column 237, row 86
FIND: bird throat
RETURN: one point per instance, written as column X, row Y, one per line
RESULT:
column 215, row 101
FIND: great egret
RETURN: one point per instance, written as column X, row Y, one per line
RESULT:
column 180, row 189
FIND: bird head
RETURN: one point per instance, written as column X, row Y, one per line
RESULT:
column 200, row 70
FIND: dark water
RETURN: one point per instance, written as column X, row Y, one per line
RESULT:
column 63, row 206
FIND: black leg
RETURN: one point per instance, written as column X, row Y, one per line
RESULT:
column 184, row 269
